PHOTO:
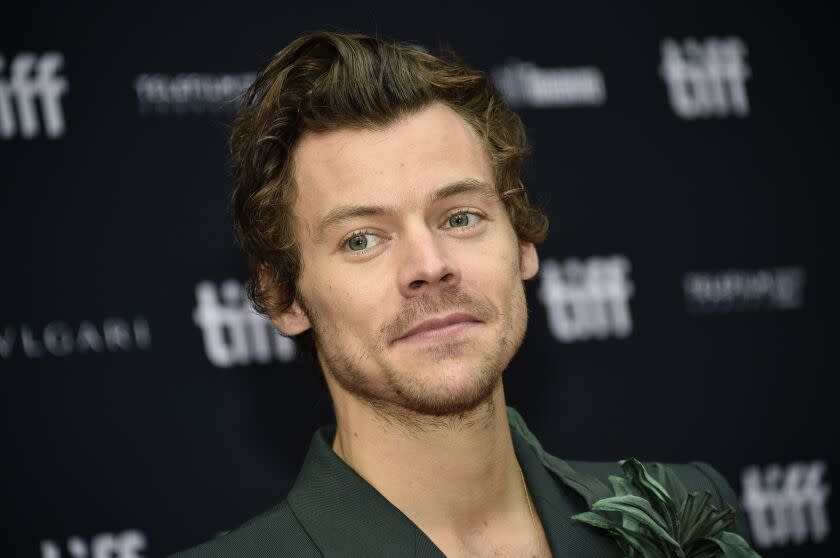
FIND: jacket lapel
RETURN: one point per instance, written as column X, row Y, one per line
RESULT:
column 346, row 516
column 556, row 503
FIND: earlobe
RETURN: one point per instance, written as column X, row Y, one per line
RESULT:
column 292, row 321
column 529, row 262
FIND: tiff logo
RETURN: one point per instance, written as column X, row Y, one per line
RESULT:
column 786, row 505
column 128, row 544
column 706, row 79
column 234, row 334
column 587, row 299
column 19, row 93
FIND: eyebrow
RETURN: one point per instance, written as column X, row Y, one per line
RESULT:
column 345, row 213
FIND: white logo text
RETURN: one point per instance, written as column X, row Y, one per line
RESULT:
column 19, row 93
column 706, row 79
column 780, row 288
column 587, row 299
column 523, row 84
column 61, row 339
column 786, row 505
column 190, row 93
column 128, row 544
column 234, row 334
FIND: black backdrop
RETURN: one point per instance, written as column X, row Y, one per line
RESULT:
column 685, row 155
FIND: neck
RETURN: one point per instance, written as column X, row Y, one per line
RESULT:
column 450, row 476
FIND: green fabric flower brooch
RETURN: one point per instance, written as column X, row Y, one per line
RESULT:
column 658, row 518
column 649, row 518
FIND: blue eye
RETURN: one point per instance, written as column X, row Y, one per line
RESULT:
column 360, row 242
column 462, row 219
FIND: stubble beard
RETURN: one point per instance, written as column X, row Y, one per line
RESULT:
column 420, row 401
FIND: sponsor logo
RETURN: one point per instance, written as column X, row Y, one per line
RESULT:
column 525, row 85
column 786, row 505
column 60, row 339
column 706, row 79
column 33, row 82
column 234, row 334
column 190, row 93
column 128, row 544
column 780, row 288
column 587, row 299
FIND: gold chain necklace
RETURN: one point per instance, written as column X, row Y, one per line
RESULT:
column 530, row 507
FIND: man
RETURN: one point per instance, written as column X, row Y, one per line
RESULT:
column 378, row 198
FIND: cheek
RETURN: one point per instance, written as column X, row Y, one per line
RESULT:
column 350, row 306
column 493, row 266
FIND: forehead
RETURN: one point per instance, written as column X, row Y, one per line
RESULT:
column 398, row 165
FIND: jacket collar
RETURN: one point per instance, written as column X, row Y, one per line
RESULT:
column 344, row 514
column 556, row 504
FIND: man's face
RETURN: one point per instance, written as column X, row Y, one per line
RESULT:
column 411, row 272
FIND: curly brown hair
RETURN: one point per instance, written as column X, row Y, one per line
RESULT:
column 325, row 81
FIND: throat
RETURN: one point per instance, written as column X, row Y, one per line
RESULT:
column 461, row 484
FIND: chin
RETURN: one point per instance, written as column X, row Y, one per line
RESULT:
column 452, row 390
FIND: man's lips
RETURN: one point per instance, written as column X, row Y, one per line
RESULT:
column 434, row 328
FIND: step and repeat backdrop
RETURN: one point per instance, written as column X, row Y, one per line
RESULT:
column 686, row 156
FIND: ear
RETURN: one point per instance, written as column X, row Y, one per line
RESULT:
column 529, row 262
column 291, row 321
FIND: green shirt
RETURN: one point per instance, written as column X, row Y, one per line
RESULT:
column 332, row 512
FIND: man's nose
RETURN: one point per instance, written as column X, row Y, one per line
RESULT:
column 426, row 264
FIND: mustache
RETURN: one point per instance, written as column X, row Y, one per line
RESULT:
column 449, row 300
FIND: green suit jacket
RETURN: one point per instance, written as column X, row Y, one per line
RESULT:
column 332, row 512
